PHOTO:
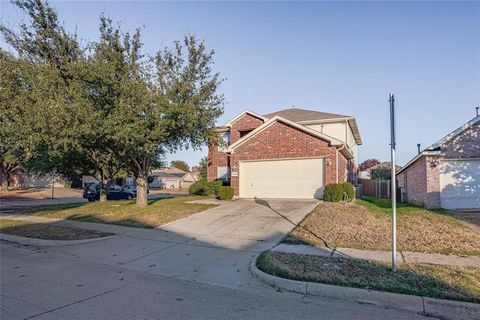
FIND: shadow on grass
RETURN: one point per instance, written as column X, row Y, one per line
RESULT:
column 121, row 222
column 48, row 231
column 422, row 280
column 121, row 212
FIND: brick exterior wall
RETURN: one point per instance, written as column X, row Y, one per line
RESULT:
column 422, row 178
column 465, row 145
column 282, row 141
column 413, row 180
column 220, row 159
column 244, row 123
column 215, row 159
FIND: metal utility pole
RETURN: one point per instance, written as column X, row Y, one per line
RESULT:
column 393, row 180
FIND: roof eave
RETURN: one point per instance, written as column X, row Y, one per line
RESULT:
column 256, row 115
column 331, row 140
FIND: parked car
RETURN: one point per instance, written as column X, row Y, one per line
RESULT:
column 91, row 192
column 116, row 192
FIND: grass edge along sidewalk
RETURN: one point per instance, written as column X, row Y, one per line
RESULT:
column 440, row 282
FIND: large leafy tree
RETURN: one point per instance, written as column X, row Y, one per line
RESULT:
column 38, row 115
column 107, row 106
column 155, row 106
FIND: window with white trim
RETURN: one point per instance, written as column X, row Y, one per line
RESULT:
column 224, row 142
column 223, row 173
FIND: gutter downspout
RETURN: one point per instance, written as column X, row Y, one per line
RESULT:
column 336, row 162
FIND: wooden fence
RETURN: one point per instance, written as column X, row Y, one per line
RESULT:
column 375, row 188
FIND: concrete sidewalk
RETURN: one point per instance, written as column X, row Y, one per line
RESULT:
column 405, row 256
column 214, row 246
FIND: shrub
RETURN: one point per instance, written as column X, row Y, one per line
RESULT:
column 336, row 192
column 200, row 187
column 333, row 192
column 215, row 186
column 204, row 188
column 349, row 191
column 225, row 193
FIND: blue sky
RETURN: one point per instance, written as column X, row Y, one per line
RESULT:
column 340, row 57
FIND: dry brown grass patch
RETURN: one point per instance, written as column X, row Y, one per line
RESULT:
column 362, row 225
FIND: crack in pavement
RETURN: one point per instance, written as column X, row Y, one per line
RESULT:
column 71, row 304
column 149, row 254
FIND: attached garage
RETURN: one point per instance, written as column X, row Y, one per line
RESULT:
column 460, row 184
column 282, row 178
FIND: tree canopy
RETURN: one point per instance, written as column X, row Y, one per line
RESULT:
column 179, row 164
column 105, row 107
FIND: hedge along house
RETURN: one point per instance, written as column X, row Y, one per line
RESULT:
column 292, row 153
column 447, row 173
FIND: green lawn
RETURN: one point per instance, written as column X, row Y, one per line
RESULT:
column 366, row 224
column 123, row 212
column 46, row 231
column 454, row 283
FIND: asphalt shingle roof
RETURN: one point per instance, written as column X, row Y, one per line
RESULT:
column 296, row 115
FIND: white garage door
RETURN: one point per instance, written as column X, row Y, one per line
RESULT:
column 460, row 184
column 299, row 178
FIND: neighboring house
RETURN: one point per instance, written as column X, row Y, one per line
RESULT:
column 292, row 153
column 171, row 178
column 196, row 173
column 447, row 173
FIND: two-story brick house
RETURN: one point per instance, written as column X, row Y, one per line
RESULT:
column 292, row 153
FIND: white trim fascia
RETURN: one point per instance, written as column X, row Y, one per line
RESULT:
column 259, row 129
column 229, row 123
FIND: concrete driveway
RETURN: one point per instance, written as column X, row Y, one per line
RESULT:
column 213, row 247
column 195, row 268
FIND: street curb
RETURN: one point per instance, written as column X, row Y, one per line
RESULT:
column 445, row 309
column 48, row 243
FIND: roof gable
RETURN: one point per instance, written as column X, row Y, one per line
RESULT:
column 229, row 123
column 312, row 132
column 453, row 134
column 303, row 116
column 435, row 149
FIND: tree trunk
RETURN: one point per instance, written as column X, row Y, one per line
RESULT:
column 4, row 184
column 103, row 192
column 4, row 179
column 142, row 201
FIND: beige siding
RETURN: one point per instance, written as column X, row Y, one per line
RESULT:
column 340, row 131
column 335, row 130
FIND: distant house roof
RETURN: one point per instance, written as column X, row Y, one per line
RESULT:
column 166, row 175
column 436, row 148
column 169, row 170
column 299, row 115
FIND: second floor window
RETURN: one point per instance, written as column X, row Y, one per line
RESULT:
column 224, row 141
